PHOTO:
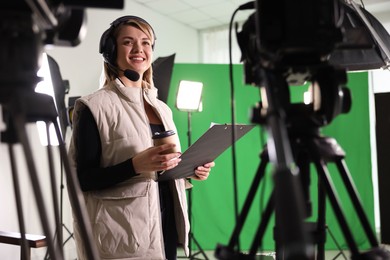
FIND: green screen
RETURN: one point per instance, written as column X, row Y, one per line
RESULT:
column 213, row 214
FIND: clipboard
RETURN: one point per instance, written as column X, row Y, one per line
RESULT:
column 207, row 148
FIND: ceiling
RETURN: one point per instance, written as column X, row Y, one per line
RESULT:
column 204, row 14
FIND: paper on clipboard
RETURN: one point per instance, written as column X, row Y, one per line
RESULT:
column 206, row 149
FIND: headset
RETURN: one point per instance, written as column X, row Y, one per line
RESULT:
column 107, row 46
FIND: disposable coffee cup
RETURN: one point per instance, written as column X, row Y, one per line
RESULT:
column 166, row 137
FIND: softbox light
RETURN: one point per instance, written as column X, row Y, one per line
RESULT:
column 366, row 42
column 162, row 73
column 60, row 89
column 189, row 96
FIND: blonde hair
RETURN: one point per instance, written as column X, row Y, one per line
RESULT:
column 111, row 72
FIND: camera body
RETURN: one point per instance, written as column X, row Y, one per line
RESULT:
column 306, row 29
column 289, row 35
column 28, row 26
column 293, row 40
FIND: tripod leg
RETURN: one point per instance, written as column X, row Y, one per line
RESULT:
column 321, row 225
column 229, row 252
column 58, row 232
column 20, row 123
column 262, row 227
column 248, row 202
column 62, row 187
column 191, row 236
column 330, row 191
column 337, row 245
column 25, row 251
column 70, row 234
column 342, row 167
column 199, row 247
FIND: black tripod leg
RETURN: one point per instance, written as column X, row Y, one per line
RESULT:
column 58, row 232
column 342, row 167
column 191, row 236
column 256, row 243
column 330, row 191
column 20, row 123
column 70, row 234
column 229, row 251
column 25, row 251
column 248, row 202
column 321, row 225
column 199, row 247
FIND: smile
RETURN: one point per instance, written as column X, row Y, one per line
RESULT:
column 137, row 58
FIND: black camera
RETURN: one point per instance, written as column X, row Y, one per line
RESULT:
column 313, row 41
column 289, row 35
column 297, row 37
column 27, row 26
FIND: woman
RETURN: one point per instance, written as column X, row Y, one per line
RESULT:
column 132, row 215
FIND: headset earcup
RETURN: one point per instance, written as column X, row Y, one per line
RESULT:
column 107, row 47
column 110, row 53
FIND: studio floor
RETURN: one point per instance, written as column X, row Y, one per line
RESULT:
column 329, row 255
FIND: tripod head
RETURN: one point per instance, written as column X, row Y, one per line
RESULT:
column 327, row 98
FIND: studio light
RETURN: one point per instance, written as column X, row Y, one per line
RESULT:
column 46, row 87
column 189, row 96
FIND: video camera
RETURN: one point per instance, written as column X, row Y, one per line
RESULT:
column 286, row 43
column 316, row 41
column 289, row 35
column 297, row 36
column 27, row 26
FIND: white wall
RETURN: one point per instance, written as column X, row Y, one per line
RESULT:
column 82, row 66
column 381, row 78
column 379, row 82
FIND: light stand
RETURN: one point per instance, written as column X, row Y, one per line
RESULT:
column 60, row 88
column 55, row 86
column 189, row 99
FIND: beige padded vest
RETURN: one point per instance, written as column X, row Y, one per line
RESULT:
column 125, row 219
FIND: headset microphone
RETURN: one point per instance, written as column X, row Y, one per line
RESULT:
column 131, row 75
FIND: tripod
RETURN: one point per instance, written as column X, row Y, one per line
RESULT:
column 307, row 146
column 19, row 109
column 21, row 105
column 320, row 151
